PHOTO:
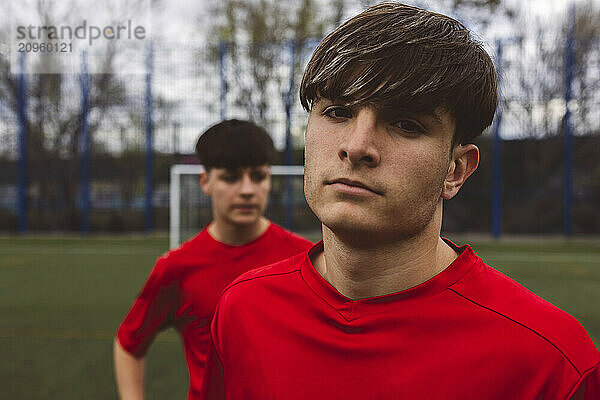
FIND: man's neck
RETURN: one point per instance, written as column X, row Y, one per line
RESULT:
column 236, row 235
column 359, row 273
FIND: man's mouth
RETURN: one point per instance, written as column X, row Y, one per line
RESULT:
column 245, row 207
column 352, row 186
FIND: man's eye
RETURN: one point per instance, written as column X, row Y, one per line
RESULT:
column 230, row 178
column 409, row 126
column 257, row 177
column 338, row 112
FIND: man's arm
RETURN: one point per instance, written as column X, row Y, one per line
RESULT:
column 151, row 312
column 129, row 373
column 213, row 385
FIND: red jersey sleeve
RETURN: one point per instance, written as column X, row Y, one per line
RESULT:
column 213, row 384
column 588, row 387
column 152, row 310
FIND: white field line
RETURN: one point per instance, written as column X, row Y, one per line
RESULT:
column 542, row 257
column 526, row 257
column 106, row 252
column 66, row 334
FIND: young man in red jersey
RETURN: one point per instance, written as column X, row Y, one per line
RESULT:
column 184, row 286
column 383, row 308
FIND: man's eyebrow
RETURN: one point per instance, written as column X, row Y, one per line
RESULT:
column 436, row 117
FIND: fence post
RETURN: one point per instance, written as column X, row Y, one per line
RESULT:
column 223, row 79
column 568, row 124
column 84, row 146
column 22, row 115
column 496, row 155
column 176, row 126
column 289, row 142
column 149, row 142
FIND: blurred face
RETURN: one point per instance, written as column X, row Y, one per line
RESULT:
column 239, row 197
column 376, row 174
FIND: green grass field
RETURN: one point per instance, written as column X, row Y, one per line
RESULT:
column 61, row 300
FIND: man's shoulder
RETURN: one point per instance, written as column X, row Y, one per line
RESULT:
column 491, row 291
column 190, row 252
column 268, row 275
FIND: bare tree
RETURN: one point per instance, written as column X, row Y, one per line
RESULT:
column 536, row 74
column 53, row 124
column 587, row 64
column 258, row 34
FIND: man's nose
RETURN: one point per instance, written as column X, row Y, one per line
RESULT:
column 359, row 148
column 247, row 186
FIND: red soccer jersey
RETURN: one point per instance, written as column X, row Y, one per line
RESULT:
column 184, row 287
column 282, row 332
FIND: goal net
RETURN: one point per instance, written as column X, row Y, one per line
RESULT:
column 190, row 209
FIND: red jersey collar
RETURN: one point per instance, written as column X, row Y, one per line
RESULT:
column 217, row 243
column 352, row 309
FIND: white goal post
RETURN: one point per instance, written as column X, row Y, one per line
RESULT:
column 175, row 190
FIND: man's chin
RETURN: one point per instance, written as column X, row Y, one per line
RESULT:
column 363, row 232
column 349, row 217
column 244, row 220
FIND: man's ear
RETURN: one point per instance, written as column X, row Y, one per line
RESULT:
column 465, row 160
column 204, row 183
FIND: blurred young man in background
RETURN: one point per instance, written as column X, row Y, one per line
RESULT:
column 383, row 308
column 184, row 286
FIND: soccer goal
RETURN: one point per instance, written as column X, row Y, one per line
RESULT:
column 190, row 209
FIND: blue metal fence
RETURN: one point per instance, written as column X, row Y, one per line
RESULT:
column 22, row 112
column 496, row 159
column 178, row 97
column 568, row 179
column 84, row 147
column 149, row 142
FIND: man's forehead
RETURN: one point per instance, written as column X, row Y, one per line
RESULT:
column 242, row 169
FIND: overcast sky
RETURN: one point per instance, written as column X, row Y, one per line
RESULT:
column 187, row 20
column 182, row 21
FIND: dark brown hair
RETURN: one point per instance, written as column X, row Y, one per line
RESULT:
column 234, row 144
column 401, row 57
